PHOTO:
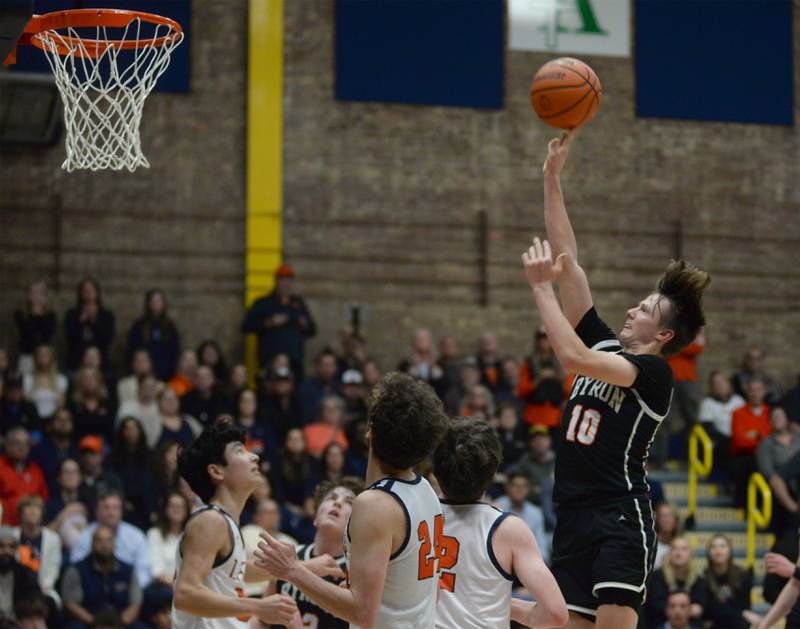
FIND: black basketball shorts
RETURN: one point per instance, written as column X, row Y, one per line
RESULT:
column 603, row 554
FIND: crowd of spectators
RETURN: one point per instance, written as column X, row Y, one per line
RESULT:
column 92, row 506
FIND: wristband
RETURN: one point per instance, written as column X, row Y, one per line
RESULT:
column 796, row 574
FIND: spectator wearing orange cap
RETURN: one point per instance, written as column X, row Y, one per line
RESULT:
column 282, row 322
column 96, row 478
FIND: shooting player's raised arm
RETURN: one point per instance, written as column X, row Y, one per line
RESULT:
column 576, row 297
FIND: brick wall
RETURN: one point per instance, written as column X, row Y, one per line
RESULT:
column 178, row 225
column 383, row 206
column 418, row 213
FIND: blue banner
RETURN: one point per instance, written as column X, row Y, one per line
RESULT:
column 429, row 52
column 715, row 60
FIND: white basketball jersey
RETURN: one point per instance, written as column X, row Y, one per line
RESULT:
column 475, row 591
column 225, row 578
column 409, row 591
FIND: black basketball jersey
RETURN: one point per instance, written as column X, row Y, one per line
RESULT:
column 607, row 430
column 313, row 616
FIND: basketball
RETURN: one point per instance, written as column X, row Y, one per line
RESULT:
column 565, row 93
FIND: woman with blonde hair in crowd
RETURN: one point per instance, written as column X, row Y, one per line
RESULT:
column 46, row 387
column 676, row 573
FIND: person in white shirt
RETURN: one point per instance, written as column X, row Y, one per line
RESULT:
column 39, row 548
column 716, row 415
column 130, row 544
column 46, row 387
column 128, row 387
column 483, row 548
column 391, row 538
column 267, row 517
column 144, row 408
column 516, row 501
column 162, row 539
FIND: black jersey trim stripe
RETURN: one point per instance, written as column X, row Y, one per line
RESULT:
column 490, row 546
column 604, row 344
column 616, row 584
column 228, row 521
column 650, row 411
column 628, row 449
column 397, row 553
column 644, row 542
column 582, row 610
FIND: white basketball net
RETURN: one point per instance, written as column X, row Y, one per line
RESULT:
column 104, row 92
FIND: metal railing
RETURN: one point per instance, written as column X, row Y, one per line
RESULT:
column 697, row 466
column 757, row 517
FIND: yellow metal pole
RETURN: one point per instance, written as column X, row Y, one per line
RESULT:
column 263, row 246
column 697, row 466
column 756, row 517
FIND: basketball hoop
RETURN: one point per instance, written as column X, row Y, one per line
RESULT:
column 105, row 62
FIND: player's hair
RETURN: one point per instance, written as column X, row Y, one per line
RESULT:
column 466, row 460
column 207, row 449
column 354, row 484
column 683, row 285
column 406, row 420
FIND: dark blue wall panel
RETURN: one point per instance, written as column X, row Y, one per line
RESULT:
column 430, row 52
column 175, row 79
column 715, row 60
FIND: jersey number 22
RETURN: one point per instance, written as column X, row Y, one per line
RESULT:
column 445, row 549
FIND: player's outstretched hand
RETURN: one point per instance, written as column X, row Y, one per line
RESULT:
column 539, row 265
column 276, row 557
column 325, row 566
column 277, row 609
column 557, row 153
column 780, row 565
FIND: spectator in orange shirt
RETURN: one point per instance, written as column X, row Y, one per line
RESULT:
column 329, row 429
column 183, row 380
column 686, row 396
column 19, row 476
column 750, row 424
column 489, row 362
column 541, row 384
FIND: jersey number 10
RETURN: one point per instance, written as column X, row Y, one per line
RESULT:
column 583, row 425
column 445, row 549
